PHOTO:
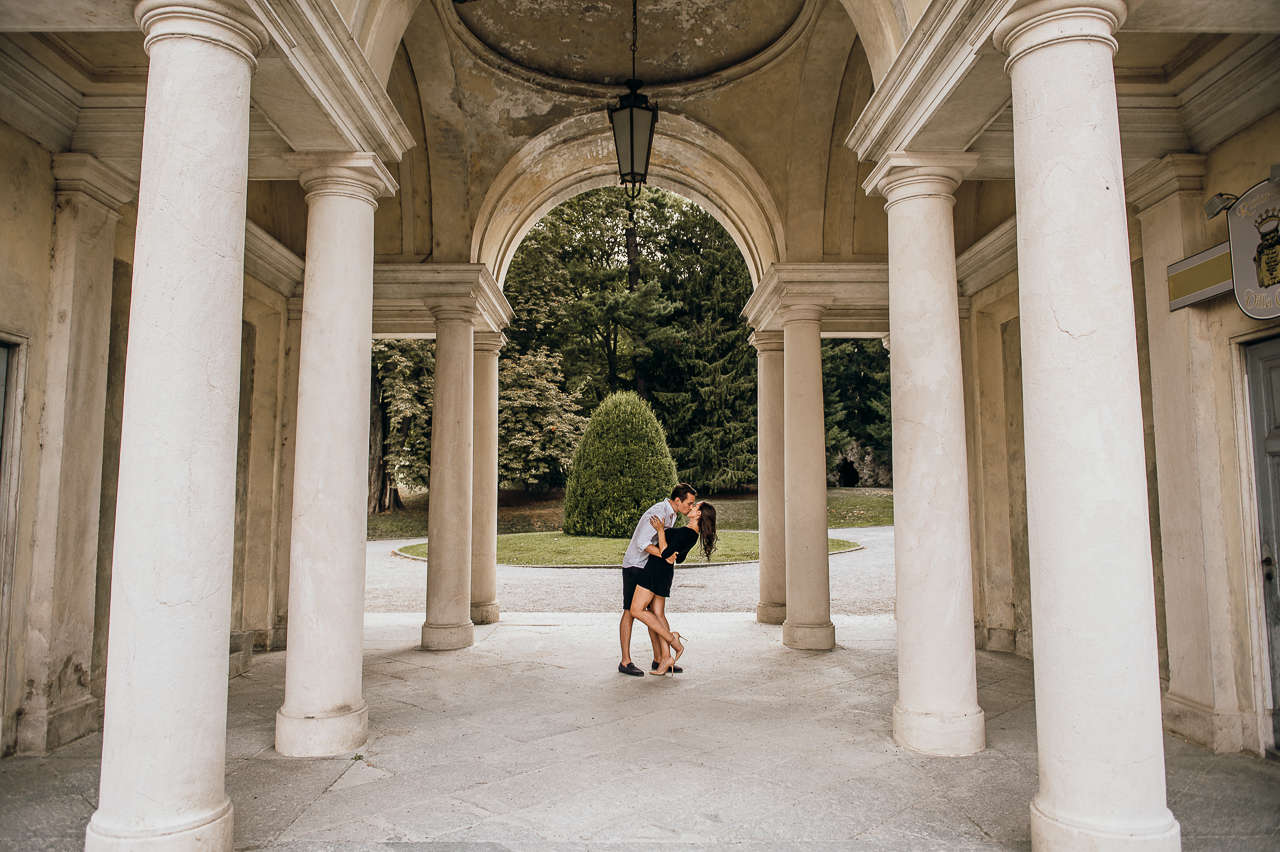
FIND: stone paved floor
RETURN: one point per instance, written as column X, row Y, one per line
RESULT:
column 530, row 742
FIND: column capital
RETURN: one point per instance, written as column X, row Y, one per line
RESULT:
column 766, row 341
column 489, row 341
column 801, row 313
column 1169, row 175
column 87, row 174
column 904, row 174
column 358, row 175
column 1047, row 22
column 335, row 180
column 206, row 20
column 454, row 313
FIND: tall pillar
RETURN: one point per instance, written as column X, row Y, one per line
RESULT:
column 808, row 621
column 772, row 608
column 59, row 639
column 484, row 480
column 448, row 623
column 1102, row 780
column 937, row 709
column 164, row 738
column 324, row 712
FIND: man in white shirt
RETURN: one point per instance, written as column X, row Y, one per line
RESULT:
column 643, row 543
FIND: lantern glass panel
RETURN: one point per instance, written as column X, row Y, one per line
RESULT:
column 622, row 137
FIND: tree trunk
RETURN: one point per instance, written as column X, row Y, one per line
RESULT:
column 383, row 494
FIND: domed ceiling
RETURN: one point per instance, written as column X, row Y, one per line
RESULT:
column 588, row 41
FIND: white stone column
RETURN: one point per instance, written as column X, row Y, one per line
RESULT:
column 60, row 618
column 166, row 700
column 324, row 711
column 772, row 608
column 484, row 480
column 448, row 623
column 808, row 622
column 937, row 709
column 1102, row 780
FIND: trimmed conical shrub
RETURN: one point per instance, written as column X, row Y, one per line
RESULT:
column 621, row 467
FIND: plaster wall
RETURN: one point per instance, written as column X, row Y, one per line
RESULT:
column 476, row 122
column 1218, row 693
column 255, row 597
column 993, row 378
column 26, row 245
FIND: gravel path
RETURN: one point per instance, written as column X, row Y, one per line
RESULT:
column 861, row 582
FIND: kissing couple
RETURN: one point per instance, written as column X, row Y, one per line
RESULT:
column 648, row 568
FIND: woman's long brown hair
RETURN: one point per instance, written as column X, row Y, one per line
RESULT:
column 707, row 528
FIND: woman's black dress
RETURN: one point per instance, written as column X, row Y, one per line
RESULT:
column 657, row 573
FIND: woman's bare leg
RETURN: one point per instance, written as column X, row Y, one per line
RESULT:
column 640, row 611
column 658, row 606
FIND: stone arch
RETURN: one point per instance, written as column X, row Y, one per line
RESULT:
column 578, row 154
column 883, row 27
column 378, row 26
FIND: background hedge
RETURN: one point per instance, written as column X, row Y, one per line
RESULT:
column 621, row 467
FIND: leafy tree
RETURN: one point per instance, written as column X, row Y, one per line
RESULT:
column 622, row 467
column 704, row 369
column 538, row 422
column 855, row 390
column 401, row 393
column 571, row 292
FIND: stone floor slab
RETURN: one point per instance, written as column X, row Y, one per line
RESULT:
column 530, row 742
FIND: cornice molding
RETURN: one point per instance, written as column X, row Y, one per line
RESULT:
column 266, row 259
column 1234, row 95
column 34, row 100
column 1161, row 178
column 854, row 297
column 406, row 294
column 76, row 172
column 989, row 259
column 319, row 49
column 935, row 59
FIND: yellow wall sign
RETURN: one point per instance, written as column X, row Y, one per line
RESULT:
column 1253, row 225
column 1201, row 276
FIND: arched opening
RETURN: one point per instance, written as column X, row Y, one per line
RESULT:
column 577, row 155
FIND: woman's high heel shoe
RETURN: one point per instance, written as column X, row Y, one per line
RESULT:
column 676, row 645
column 665, row 668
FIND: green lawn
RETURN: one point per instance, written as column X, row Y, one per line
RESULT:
column 523, row 513
column 556, row 548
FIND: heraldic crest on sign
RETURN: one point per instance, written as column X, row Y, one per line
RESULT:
column 1253, row 226
column 1266, row 261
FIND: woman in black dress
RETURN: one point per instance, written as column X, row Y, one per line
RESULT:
column 653, row 585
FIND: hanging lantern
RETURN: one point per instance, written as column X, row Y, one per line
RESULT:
column 633, row 119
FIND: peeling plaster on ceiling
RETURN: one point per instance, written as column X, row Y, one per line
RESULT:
column 588, row 42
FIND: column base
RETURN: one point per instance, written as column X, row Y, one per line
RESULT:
column 1053, row 835
column 484, row 613
column 771, row 613
column 940, row 734
column 212, row 833
column 448, row 637
column 809, row 637
column 325, row 736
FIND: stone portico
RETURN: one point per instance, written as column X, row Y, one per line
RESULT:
column 218, row 204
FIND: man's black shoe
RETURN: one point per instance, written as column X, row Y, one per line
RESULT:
column 653, row 667
column 631, row 669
